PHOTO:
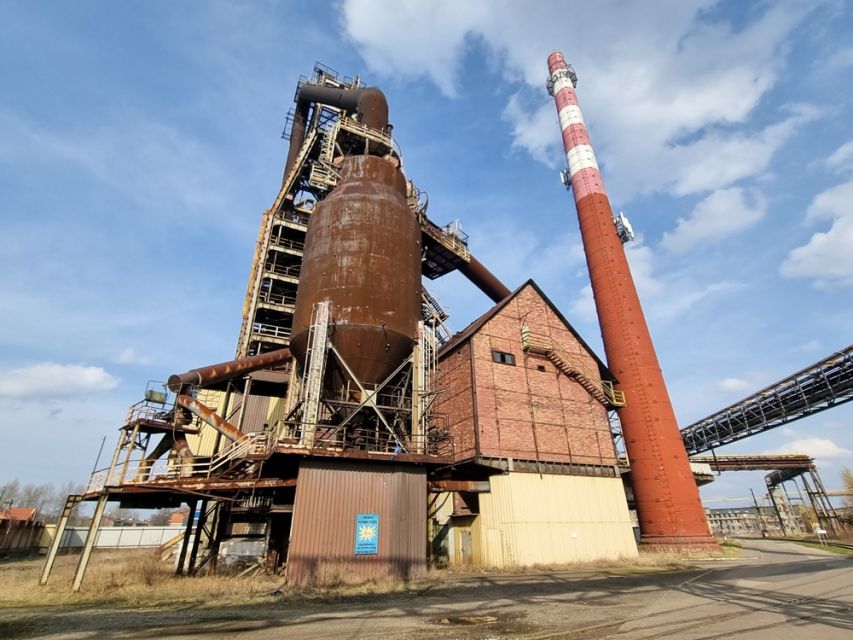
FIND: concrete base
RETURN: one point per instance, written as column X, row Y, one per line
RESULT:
column 679, row 543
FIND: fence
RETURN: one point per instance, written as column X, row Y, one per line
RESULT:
column 19, row 536
column 119, row 537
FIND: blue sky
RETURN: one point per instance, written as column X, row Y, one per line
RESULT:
column 139, row 143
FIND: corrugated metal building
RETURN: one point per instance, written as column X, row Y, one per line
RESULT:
column 331, row 501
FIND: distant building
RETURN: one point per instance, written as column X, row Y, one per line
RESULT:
column 19, row 514
column 739, row 521
column 179, row 516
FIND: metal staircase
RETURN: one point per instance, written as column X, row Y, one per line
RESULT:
column 571, row 366
column 434, row 315
column 315, row 365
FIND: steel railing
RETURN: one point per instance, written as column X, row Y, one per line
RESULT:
column 572, row 366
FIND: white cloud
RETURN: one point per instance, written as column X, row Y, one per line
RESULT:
column 807, row 347
column 129, row 355
column 716, row 160
column 51, row 380
column 663, row 296
column 667, row 75
column 814, row 447
column 734, row 385
column 147, row 161
column 841, row 59
column 413, row 38
column 827, row 258
column 534, row 132
column 841, row 159
column 721, row 214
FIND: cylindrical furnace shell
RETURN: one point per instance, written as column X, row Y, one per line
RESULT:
column 363, row 254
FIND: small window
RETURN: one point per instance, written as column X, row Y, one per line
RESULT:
column 540, row 367
column 503, row 358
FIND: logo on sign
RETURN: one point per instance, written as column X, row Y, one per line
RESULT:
column 366, row 534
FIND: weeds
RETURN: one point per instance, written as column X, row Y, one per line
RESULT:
column 123, row 578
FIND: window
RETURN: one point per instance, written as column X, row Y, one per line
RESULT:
column 540, row 367
column 503, row 358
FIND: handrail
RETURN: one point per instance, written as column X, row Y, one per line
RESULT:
column 286, row 243
column 276, row 298
column 574, row 367
column 278, row 269
column 263, row 329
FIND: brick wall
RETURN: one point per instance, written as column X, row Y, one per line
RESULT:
column 530, row 410
column 455, row 400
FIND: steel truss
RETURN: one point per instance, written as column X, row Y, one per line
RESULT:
column 823, row 385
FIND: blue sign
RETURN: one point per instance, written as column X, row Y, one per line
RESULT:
column 366, row 534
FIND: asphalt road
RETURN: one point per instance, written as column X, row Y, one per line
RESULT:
column 779, row 590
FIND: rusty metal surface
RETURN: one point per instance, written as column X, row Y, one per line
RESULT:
column 484, row 279
column 194, row 485
column 757, row 462
column 230, row 369
column 442, row 458
column 669, row 509
column 330, row 495
column 362, row 253
column 472, row 486
column 210, row 417
column 369, row 106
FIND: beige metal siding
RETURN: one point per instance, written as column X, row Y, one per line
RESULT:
column 203, row 443
column 329, row 496
column 255, row 416
column 552, row 519
column 276, row 411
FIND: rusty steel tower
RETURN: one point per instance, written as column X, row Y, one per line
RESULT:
column 669, row 509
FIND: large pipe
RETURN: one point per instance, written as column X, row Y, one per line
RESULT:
column 484, row 280
column 669, row 509
column 214, row 373
column 369, row 106
column 211, row 417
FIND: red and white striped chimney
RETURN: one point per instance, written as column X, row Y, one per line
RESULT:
column 668, row 505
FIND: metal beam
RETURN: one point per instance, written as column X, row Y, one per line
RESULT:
column 824, row 384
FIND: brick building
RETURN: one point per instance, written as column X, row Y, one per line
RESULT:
column 527, row 401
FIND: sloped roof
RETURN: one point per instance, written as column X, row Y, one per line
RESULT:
column 463, row 336
column 24, row 514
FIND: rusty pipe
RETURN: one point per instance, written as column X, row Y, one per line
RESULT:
column 214, row 373
column 210, row 417
column 484, row 280
column 369, row 106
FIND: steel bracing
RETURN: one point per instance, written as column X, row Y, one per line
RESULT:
column 824, row 384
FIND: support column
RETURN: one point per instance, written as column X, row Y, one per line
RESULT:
column 182, row 557
column 199, row 529
column 776, row 509
column 70, row 502
column 418, row 366
column 90, row 541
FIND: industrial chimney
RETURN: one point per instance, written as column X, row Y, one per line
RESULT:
column 669, row 509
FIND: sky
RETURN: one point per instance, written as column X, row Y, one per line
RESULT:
column 140, row 142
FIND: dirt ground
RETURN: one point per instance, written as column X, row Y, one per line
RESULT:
column 129, row 596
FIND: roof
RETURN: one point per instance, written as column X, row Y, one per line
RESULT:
column 463, row 336
column 24, row 514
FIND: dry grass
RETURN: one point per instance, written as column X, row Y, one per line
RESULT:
column 139, row 579
column 123, row 578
